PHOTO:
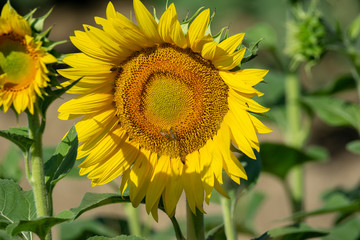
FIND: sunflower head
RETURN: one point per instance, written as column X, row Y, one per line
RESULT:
column 161, row 105
column 23, row 71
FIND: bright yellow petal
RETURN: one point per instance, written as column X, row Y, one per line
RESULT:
column 160, row 175
column 230, row 78
column 198, row 28
column 228, row 62
column 229, row 45
column 146, row 22
column 139, row 178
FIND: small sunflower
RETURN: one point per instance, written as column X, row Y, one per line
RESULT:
column 161, row 106
column 23, row 71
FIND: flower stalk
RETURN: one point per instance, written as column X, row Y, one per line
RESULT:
column 37, row 176
column 133, row 219
column 230, row 229
column 195, row 224
column 294, row 138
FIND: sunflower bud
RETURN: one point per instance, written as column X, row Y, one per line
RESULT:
column 305, row 36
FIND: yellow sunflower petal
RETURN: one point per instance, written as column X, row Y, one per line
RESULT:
column 146, row 21
column 229, row 45
column 228, row 62
column 198, row 28
column 160, row 175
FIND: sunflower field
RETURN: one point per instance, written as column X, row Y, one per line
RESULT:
column 158, row 119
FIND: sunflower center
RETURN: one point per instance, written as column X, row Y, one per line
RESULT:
column 16, row 63
column 170, row 100
column 166, row 100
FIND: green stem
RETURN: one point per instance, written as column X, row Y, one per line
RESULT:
column 230, row 229
column 133, row 219
column 178, row 233
column 294, row 138
column 37, row 179
column 195, row 224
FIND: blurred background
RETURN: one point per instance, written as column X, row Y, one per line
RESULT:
column 259, row 19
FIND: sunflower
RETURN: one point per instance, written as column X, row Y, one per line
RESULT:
column 160, row 106
column 23, row 71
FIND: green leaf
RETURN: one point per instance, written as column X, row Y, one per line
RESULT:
column 217, row 232
column 40, row 226
column 122, row 237
column 349, row 230
column 279, row 159
column 317, row 153
column 354, row 146
column 335, row 112
column 342, row 83
column 300, row 232
column 15, row 204
column 354, row 29
column 19, row 136
column 91, row 201
column 63, row 159
column 336, row 203
column 9, row 167
column 82, row 229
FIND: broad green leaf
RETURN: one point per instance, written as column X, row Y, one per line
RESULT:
column 122, row 237
column 335, row 112
column 15, row 204
column 9, row 167
column 19, row 136
column 349, row 230
column 279, row 159
column 63, row 159
column 300, row 232
column 336, row 203
column 91, row 201
column 74, row 173
column 354, row 146
column 4, row 235
column 82, row 229
column 317, row 153
column 40, row 226
column 345, row 82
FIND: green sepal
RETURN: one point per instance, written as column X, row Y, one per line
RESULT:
column 251, row 51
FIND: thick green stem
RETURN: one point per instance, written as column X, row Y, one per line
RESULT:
column 294, row 138
column 133, row 219
column 230, row 229
column 195, row 224
column 37, row 178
